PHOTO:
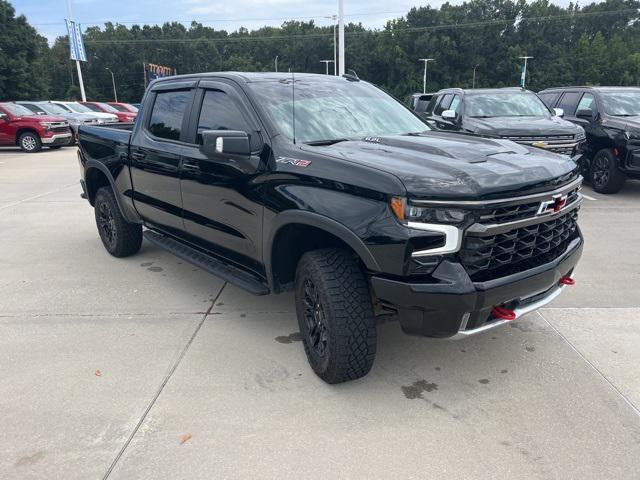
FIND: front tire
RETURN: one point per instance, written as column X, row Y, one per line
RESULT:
column 335, row 315
column 119, row 237
column 30, row 142
column 604, row 174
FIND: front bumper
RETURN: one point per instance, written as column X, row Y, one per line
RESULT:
column 57, row 139
column 454, row 306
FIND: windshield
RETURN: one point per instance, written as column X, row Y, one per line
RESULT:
column 623, row 104
column 17, row 110
column 91, row 107
column 124, row 108
column 53, row 108
column 333, row 110
column 78, row 108
column 505, row 105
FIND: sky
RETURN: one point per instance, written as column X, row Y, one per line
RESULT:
column 47, row 16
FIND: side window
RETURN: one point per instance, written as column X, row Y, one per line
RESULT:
column 455, row 104
column 587, row 102
column 220, row 112
column 569, row 102
column 168, row 113
column 432, row 104
column 549, row 99
column 444, row 104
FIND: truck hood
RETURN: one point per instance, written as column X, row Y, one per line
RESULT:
column 41, row 118
column 520, row 126
column 457, row 166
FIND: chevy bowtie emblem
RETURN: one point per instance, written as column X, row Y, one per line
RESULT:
column 557, row 203
column 540, row 144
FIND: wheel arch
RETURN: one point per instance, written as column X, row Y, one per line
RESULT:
column 293, row 233
column 23, row 130
column 97, row 175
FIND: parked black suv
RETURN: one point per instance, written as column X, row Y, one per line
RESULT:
column 611, row 119
column 510, row 113
column 336, row 191
column 418, row 102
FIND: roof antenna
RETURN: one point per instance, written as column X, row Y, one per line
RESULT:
column 293, row 105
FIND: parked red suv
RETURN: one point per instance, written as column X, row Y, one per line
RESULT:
column 19, row 126
column 105, row 107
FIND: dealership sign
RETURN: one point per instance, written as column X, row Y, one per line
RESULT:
column 76, row 45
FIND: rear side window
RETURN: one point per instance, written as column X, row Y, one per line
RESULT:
column 549, row 99
column 569, row 102
column 220, row 112
column 168, row 113
column 432, row 104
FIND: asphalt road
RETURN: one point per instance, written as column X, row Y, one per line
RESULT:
column 148, row 368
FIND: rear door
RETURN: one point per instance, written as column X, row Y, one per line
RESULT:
column 155, row 155
column 7, row 134
column 221, row 203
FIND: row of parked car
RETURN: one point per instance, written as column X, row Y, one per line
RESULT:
column 32, row 125
column 597, row 126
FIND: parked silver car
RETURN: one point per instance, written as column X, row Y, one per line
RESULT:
column 74, row 119
column 75, row 107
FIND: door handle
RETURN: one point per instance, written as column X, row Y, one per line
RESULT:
column 138, row 156
column 194, row 167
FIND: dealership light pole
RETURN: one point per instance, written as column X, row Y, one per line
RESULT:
column 276, row 62
column 473, row 82
column 113, row 81
column 84, row 97
column 424, row 78
column 341, row 36
column 524, row 71
column 326, row 64
column 335, row 43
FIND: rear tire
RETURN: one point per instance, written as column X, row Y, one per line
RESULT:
column 30, row 142
column 118, row 236
column 604, row 173
column 335, row 315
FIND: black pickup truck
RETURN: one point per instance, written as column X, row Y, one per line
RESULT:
column 329, row 187
column 611, row 118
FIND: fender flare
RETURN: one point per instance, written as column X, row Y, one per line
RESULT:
column 317, row 221
column 91, row 164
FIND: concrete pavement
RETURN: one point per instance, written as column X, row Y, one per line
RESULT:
column 148, row 368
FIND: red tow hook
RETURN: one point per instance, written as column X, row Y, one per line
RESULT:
column 503, row 313
column 567, row 280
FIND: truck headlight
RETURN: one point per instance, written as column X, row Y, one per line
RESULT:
column 443, row 223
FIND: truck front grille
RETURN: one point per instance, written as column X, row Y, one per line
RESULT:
column 487, row 257
column 517, row 212
column 563, row 144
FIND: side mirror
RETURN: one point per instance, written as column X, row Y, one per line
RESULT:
column 449, row 115
column 3, row 116
column 230, row 147
column 585, row 113
column 559, row 112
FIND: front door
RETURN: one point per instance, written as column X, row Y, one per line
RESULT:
column 155, row 156
column 221, row 200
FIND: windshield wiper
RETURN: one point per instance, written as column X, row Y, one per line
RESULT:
column 321, row 143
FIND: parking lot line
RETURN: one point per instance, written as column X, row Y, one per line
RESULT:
column 587, row 197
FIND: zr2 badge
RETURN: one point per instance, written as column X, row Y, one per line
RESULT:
column 294, row 161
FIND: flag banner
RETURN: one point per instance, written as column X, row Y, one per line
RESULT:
column 153, row 71
column 76, row 44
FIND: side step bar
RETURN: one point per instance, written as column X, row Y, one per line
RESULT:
column 210, row 264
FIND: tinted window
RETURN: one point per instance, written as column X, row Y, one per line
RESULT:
column 432, row 103
column 587, row 102
column 422, row 103
column 569, row 102
column 168, row 113
column 444, row 104
column 219, row 112
column 549, row 99
column 32, row 107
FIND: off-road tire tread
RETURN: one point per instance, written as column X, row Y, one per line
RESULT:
column 128, row 235
column 340, row 280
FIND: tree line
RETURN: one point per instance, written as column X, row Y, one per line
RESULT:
column 594, row 44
